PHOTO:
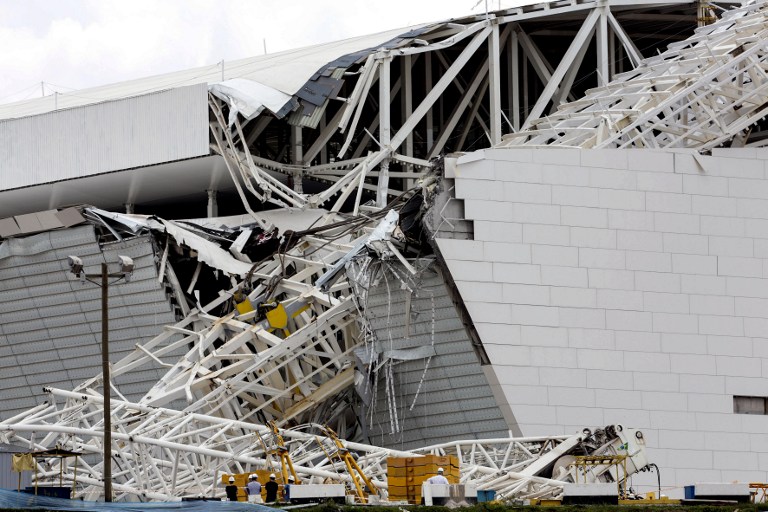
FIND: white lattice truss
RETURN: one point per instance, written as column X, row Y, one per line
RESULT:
column 163, row 454
column 707, row 91
column 240, row 371
column 478, row 61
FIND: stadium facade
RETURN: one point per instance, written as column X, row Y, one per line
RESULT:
column 580, row 239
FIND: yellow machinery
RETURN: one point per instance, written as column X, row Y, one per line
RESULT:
column 286, row 464
column 759, row 492
column 405, row 475
column 583, row 462
column 342, row 453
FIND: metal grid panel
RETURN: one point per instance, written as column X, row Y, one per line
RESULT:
column 50, row 323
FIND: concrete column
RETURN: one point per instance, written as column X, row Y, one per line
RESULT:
column 213, row 206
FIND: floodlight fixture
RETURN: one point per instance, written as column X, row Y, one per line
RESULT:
column 75, row 265
column 126, row 267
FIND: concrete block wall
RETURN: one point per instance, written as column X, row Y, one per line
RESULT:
column 624, row 286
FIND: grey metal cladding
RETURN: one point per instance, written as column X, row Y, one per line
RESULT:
column 50, row 323
column 144, row 130
column 454, row 400
column 8, row 227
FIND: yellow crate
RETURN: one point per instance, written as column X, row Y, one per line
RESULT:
column 414, row 490
column 431, row 469
column 395, row 471
column 401, row 481
column 396, row 462
column 415, row 471
column 442, row 461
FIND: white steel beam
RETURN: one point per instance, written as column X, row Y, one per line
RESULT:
column 513, row 63
column 494, row 82
column 582, row 38
column 601, row 42
column 629, row 46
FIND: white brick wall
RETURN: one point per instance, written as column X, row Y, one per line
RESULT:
column 625, row 286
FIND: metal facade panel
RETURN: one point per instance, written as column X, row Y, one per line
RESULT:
column 454, row 399
column 50, row 323
column 133, row 132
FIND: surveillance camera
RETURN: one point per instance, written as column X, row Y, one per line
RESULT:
column 126, row 264
column 75, row 265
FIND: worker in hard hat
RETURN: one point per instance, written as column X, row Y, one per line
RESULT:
column 253, row 489
column 287, row 489
column 231, row 489
column 271, row 488
column 439, row 478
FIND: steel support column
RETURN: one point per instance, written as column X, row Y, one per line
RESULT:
column 601, row 42
column 385, row 133
column 513, row 70
column 582, row 38
column 105, row 378
column 494, row 89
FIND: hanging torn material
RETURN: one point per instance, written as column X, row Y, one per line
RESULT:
column 375, row 351
column 249, row 98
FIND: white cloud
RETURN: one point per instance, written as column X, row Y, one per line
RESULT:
column 84, row 43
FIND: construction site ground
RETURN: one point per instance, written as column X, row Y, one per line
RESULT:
column 493, row 507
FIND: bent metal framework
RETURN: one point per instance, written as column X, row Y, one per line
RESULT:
column 294, row 334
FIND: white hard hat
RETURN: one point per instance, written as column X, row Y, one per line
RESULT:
column 231, row 479
column 253, row 476
column 290, row 478
column 272, row 475
column 439, row 470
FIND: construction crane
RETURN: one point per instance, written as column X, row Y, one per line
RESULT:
column 286, row 464
column 355, row 473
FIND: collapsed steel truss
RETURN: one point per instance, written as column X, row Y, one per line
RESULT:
column 244, row 368
column 163, row 454
column 708, row 91
column 371, row 130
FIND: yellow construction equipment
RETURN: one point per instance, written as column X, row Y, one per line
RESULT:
column 584, row 462
column 286, row 464
column 342, row 453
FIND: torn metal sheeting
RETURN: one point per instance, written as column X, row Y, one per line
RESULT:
column 282, row 71
column 249, row 98
column 406, row 354
column 39, row 221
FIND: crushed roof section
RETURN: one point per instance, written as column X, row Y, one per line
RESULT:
column 707, row 91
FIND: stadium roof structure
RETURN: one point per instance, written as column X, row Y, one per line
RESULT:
column 291, row 332
column 708, row 91
column 306, row 127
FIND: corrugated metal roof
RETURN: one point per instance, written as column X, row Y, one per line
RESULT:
column 455, row 400
column 50, row 324
column 285, row 71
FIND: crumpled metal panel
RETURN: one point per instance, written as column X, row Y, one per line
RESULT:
column 454, row 398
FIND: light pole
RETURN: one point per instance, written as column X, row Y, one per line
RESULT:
column 126, row 268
